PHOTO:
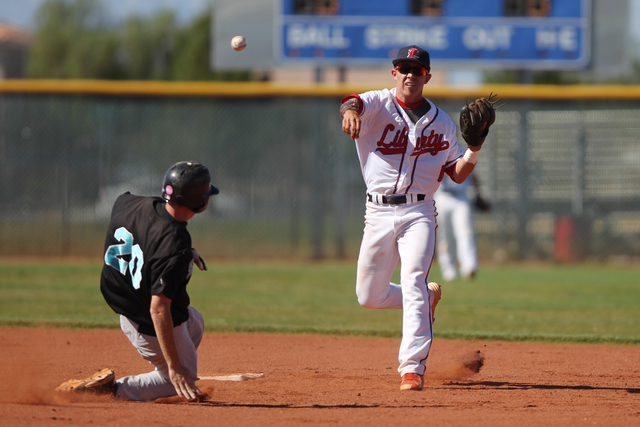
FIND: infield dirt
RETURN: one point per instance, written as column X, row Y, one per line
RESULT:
column 324, row 380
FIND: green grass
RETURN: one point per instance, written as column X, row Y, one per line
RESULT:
column 550, row 303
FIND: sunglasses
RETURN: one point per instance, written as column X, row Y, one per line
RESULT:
column 416, row 71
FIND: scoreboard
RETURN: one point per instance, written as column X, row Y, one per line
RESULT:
column 536, row 34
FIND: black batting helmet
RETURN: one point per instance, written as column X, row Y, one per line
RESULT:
column 188, row 184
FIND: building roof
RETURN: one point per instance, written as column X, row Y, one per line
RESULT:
column 12, row 34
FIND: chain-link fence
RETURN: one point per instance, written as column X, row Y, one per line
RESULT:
column 562, row 176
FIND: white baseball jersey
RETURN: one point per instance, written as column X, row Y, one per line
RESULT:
column 398, row 156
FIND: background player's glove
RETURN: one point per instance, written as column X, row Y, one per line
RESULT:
column 481, row 204
column 476, row 118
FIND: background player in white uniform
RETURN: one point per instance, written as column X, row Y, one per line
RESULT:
column 456, row 239
column 405, row 145
column 148, row 263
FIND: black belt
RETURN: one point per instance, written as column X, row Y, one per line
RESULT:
column 395, row 199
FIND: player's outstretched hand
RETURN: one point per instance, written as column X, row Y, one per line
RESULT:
column 184, row 383
column 351, row 124
column 197, row 259
column 476, row 118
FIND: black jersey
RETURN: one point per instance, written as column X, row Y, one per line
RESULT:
column 147, row 252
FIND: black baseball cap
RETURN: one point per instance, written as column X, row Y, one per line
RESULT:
column 415, row 54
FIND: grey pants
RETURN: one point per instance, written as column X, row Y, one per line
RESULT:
column 157, row 383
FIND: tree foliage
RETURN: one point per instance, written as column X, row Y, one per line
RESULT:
column 147, row 46
column 74, row 40
column 192, row 60
column 71, row 42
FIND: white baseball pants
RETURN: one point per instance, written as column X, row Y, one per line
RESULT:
column 155, row 384
column 404, row 233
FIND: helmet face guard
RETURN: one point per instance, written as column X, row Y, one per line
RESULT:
column 188, row 184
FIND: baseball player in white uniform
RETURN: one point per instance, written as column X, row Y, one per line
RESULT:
column 456, row 240
column 405, row 145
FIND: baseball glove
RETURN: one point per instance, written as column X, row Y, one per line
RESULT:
column 476, row 118
column 481, row 204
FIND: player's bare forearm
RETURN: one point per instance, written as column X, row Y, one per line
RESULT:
column 351, row 104
column 462, row 170
column 350, row 119
column 181, row 378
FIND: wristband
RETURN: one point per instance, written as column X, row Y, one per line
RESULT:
column 471, row 156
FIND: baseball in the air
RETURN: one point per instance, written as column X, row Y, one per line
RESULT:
column 238, row 43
